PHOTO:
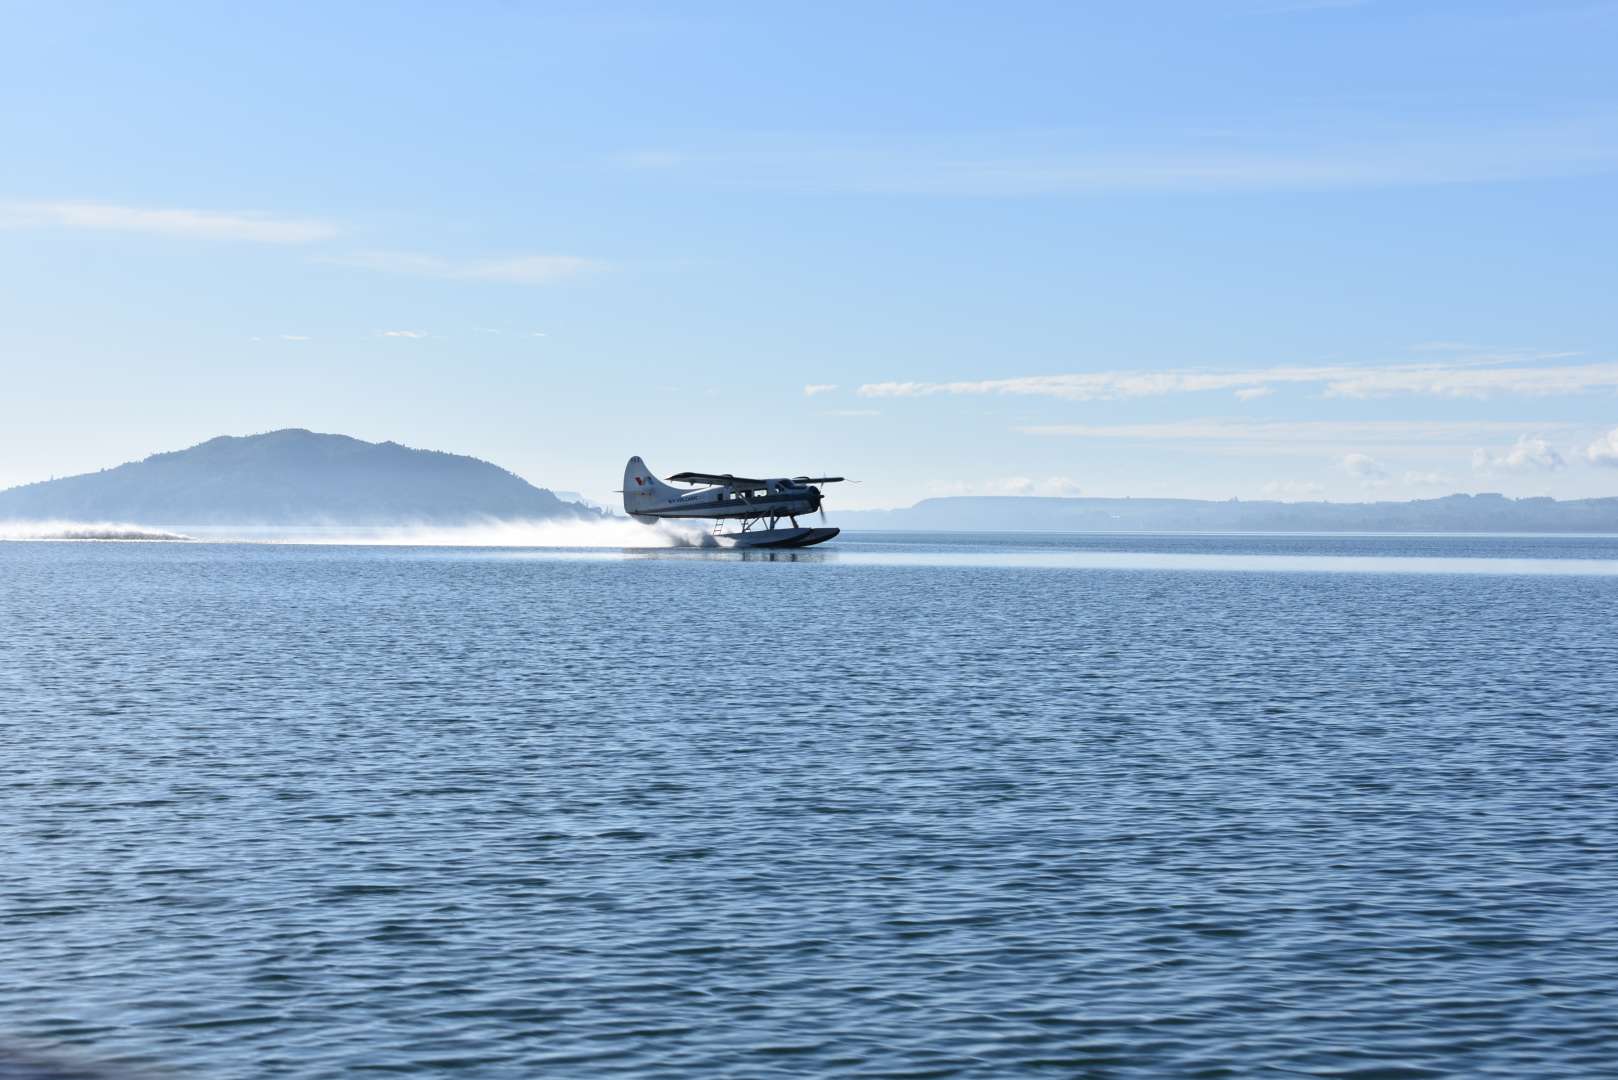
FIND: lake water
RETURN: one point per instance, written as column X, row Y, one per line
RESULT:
column 902, row 806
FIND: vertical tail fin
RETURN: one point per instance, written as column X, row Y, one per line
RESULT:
column 644, row 492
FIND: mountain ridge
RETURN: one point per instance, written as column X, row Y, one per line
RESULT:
column 1487, row 512
column 291, row 476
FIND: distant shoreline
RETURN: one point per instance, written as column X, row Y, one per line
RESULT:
column 615, row 532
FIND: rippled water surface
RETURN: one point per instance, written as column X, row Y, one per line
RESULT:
column 902, row 806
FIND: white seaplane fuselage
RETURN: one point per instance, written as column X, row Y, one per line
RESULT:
column 647, row 499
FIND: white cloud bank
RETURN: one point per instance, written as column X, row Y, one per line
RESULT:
column 416, row 334
column 818, row 388
column 1529, row 452
column 1051, row 486
column 1294, row 489
column 1480, row 377
column 249, row 226
column 1365, row 469
column 1604, row 451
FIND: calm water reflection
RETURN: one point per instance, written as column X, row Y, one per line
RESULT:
column 908, row 806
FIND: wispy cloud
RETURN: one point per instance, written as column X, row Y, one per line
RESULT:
column 1249, row 393
column 1366, row 469
column 1293, row 489
column 1298, row 431
column 1428, row 479
column 1529, row 452
column 252, row 227
column 1348, row 153
column 515, row 270
column 404, row 333
column 294, row 337
column 1475, row 381
column 1477, row 377
column 1050, row 486
column 1604, row 451
column 852, row 412
column 263, row 228
column 818, row 388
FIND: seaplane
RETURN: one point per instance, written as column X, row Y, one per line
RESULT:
column 745, row 500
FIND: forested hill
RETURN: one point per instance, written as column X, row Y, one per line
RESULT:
column 1453, row 513
column 291, row 477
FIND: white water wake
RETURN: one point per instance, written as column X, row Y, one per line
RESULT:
column 539, row 533
column 83, row 530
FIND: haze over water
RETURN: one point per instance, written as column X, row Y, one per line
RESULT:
column 907, row 806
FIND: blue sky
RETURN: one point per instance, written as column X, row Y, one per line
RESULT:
column 1250, row 248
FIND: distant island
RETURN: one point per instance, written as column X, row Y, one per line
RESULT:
column 292, row 477
column 296, row 477
column 1453, row 513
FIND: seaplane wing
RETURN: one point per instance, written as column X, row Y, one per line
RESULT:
column 718, row 478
